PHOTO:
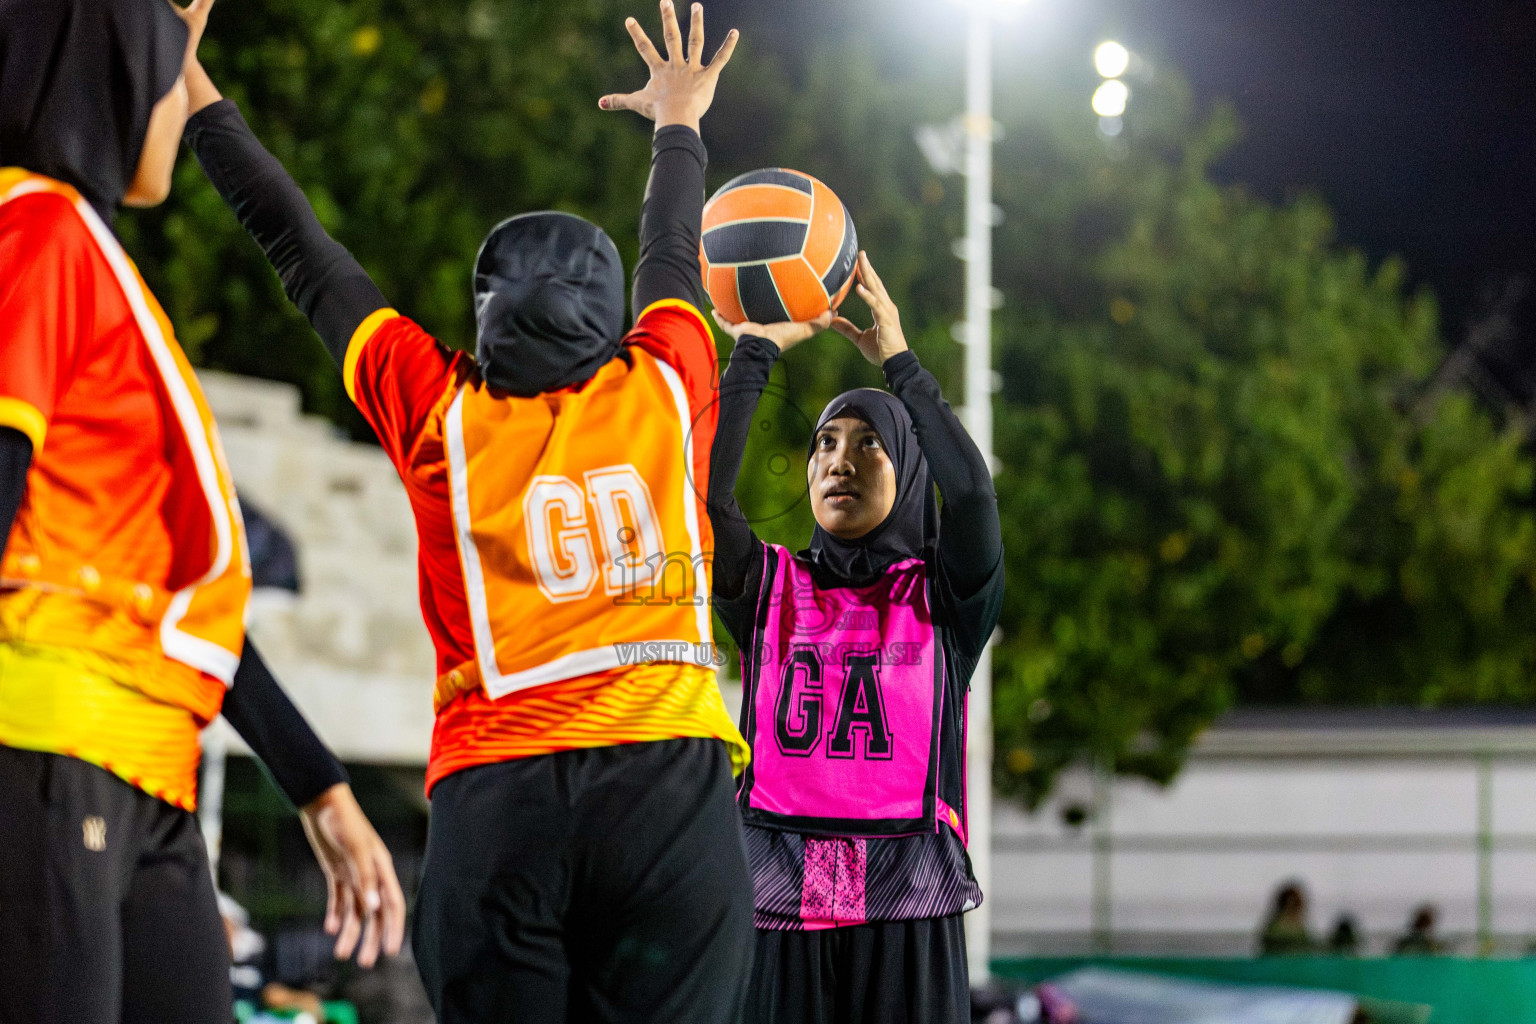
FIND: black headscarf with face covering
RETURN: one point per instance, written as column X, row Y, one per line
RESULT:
column 549, row 302
column 912, row 527
column 78, row 79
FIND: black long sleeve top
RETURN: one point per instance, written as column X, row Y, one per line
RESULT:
column 15, row 460
column 319, row 275
column 925, row 875
column 670, row 220
column 332, row 289
column 970, row 547
column 256, row 705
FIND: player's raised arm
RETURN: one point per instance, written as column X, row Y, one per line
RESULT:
column 319, row 275
column 970, row 549
column 737, row 547
column 681, row 88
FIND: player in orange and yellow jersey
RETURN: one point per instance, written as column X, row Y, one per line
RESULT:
column 585, row 859
column 123, row 569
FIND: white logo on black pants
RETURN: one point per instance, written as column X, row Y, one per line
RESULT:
column 95, row 829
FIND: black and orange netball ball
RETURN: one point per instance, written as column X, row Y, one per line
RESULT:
column 778, row 246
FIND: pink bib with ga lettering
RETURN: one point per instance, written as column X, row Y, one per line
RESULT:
column 843, row 702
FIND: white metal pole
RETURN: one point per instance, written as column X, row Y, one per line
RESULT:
column 978, row 418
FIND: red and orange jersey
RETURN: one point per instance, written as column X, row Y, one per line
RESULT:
column 563, row 539
column 128, row 543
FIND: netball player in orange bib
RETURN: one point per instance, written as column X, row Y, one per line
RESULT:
column 123, row 569
column 585, row 858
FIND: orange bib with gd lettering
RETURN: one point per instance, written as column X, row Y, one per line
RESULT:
column 129, row 540
column 579, row 527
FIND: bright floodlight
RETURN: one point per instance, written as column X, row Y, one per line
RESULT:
column 1109, row 99
column 1111, row 59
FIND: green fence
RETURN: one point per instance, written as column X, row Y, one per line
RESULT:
column 1460, row 991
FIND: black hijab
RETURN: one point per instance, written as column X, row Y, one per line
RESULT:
column 78, row 79
column 911, row 527
column 549, row 302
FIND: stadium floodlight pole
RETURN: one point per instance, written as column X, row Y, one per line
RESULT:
column 965, row 146
column 977, row 337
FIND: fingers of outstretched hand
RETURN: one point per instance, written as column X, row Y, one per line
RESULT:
column 865, row 339
column 197, row 10
column 879, row 303
column 368, row 946
column 867, row 272
column 195, row 16
column 639, row 102
column 696, row 37
column 797, row 332
column 393, row 909
column 351, row 923
column 643, row 43
column 723, row 55
column 365, row 880
column 671, row 33
column 734, row 330
column 335, row 898
column 847, row 328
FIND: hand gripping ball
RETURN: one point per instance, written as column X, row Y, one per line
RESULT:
column 778, row 246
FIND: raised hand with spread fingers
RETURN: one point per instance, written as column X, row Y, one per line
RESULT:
column 884, row 338
column 681, row 86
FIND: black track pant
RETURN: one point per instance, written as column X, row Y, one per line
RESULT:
column 603, row 885
column 895, row 972
column 107, row 910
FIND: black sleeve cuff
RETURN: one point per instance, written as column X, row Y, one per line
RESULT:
column 224, row 112
column 900, row 369
column 679, row 136
column 752, row 360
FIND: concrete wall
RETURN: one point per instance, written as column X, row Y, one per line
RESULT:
column 1192, row 868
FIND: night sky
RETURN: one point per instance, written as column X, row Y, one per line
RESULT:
column 1414, row 119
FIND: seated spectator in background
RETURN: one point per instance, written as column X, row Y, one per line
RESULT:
column 274, row 559
column 266, row 1002
column 1345, row 940
column 1420, row 939
column 1285, row 932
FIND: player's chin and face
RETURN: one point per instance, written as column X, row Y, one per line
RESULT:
column 162, row 140
column 852, row 481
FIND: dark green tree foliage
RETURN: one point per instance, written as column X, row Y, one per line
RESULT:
column 414, row 128
column 1219, row 478
column 1223, row 476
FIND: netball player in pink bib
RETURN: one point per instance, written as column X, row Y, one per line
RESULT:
column 857, row 656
